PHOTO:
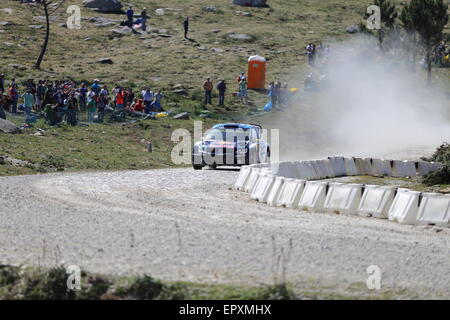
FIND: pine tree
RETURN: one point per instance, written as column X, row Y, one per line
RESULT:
column 428, row 18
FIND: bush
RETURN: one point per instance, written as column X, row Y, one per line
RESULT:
column 442, row 176
column 146, row 288
column 52, row 161
column 50, row 286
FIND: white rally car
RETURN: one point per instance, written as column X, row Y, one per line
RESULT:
column 231, row 144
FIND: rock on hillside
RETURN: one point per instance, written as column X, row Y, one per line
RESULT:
column 105, row 6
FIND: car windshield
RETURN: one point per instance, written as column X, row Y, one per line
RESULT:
column 228, row 134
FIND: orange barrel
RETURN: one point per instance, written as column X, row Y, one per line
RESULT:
column 256, row 72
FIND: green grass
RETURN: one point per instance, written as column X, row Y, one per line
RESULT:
column 35, row 283
column 93, row 147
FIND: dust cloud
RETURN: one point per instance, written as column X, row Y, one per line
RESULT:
column 370, row 104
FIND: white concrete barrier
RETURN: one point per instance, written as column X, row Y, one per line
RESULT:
column 262, row 187
column 404, row 168
column 363, row 166
column 405, row 207
column 275, row 191
column 376, row 201
column 313, row 197
column 338, row 165
column 434, row 209
column 318, row 169
column 343, row 198
column 381, row 167
column 287, row 169
column 290, row 193
column 350, row 167
column 436, row 166
column 242, row 177
column 306, row 170
column 323, row 169
column 251, row 180
column 423, row 168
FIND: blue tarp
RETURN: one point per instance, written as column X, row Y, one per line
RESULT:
column 268, row 106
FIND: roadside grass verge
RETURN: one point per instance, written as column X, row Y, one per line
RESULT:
column 120, row 146
column 17, row 283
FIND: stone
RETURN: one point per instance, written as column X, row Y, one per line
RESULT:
column 7, row 126
column 36, row 26
column 352, row 29
column 7, row 10
column 210, row 9
column 243, row 13
column 103, row 22
column 160, row 12
column 17, row 66
column 5, row 23
column 183, row 115
column 240, row 36
column 250, row 3
column 216, row 30
column 119, row 32
column 217, row 50
column 181, row 92
column 105, row 61
column 105, row 6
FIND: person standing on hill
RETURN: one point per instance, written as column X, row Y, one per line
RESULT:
column 2, row 83
column 144, row 18
column 186, row 27
column 243, row 90
column 130, row 14
column 222, row 87
column 14, row 95
column 208, row 86
column 28, row 103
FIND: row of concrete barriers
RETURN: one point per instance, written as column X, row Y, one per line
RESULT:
column 397, row 204
column 340, row 166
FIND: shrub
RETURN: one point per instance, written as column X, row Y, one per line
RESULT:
column 442, row 176
column 146, row 288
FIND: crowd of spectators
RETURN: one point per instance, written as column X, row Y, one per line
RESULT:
column 66, row 101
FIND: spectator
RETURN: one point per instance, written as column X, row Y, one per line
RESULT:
column 186, row 27
column 120, row 103
column 72, row 110
column 40, row 94
column 96, row 87
column 310, row 51
column 147, row 97
column 101, row 106
column 2, row 83
column 243, row 90
column 144, row 18
column 208, row 86
column 222, row 87
column 130, row 97
column 28, row 103
column 91, row 106
column 14, row 95
column 130, row 14
column 157, row 100
column 137, row 105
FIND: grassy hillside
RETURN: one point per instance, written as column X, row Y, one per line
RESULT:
column 280, row 33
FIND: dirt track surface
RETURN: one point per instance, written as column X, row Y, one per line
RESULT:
column 181, row 224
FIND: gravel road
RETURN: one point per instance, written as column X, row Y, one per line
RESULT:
column 181, row 224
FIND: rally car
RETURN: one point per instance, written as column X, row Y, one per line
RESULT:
column 231, row 144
